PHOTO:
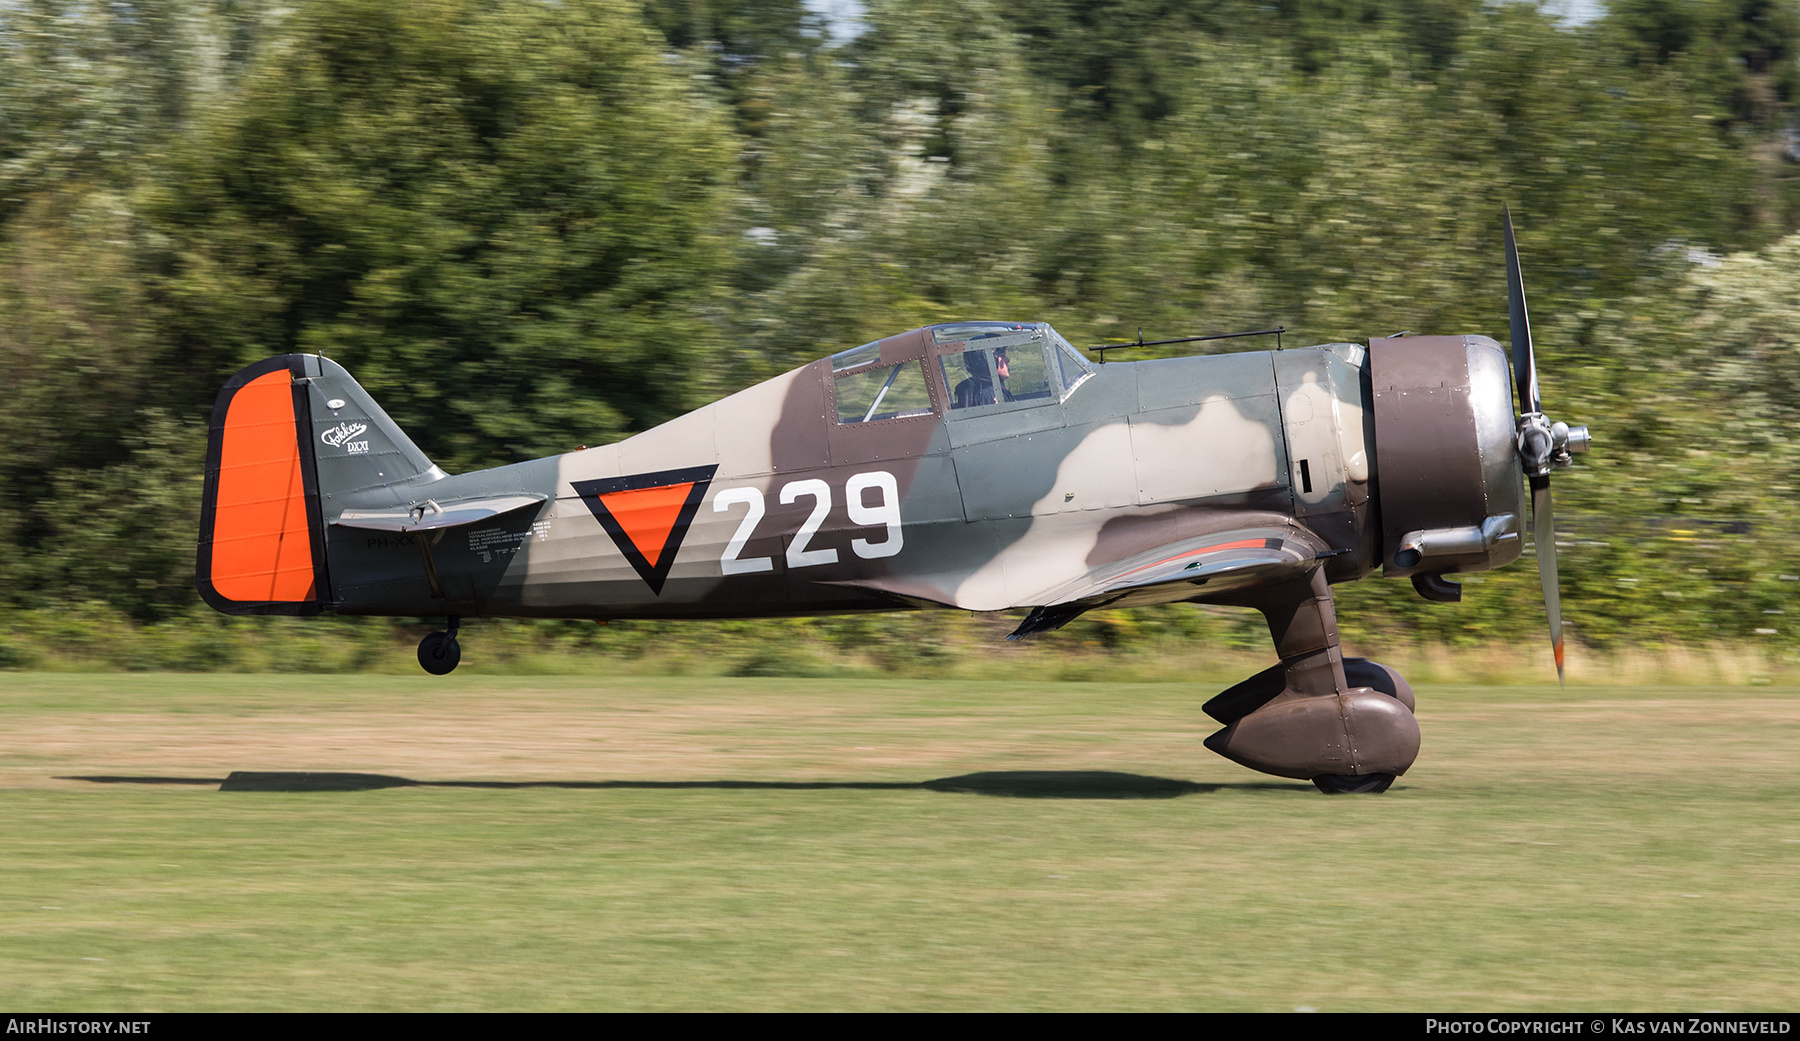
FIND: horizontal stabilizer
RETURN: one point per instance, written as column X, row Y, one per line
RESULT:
column 432, row 515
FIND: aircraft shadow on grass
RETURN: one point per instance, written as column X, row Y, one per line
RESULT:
column 1018, row 784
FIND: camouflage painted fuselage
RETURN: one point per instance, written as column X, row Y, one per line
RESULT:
column 983, row 466
column 781, row 499
column 977, row 465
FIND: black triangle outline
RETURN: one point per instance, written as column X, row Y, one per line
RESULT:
column 653, row 575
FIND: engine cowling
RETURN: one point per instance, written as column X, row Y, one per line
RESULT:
column 1448, row 481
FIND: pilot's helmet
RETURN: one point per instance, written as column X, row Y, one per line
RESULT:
column 977, row 364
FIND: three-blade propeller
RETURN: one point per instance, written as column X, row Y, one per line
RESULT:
column 1543, row 445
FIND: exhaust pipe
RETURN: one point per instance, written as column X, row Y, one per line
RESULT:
column 1441, row 549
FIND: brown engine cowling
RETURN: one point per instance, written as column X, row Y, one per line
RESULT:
column 1447, row 475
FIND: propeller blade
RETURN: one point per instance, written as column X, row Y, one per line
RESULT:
column 1524, row 362
column 1543, row 537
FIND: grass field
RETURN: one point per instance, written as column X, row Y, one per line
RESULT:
column 653, row 843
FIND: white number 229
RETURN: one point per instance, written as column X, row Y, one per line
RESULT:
column 884, row 513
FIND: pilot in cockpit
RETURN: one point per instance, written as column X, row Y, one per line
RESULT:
column 980, row 388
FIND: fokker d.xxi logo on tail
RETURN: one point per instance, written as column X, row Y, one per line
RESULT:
column 343, row 436
column 648, row 515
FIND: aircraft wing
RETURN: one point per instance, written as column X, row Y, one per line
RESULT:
column 1220, row 562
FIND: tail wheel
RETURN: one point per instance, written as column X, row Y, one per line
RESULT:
column 1342, row 784
column 439, row 653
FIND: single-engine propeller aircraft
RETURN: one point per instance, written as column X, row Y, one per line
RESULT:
column 983, row 466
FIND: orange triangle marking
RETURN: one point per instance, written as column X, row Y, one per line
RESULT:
column 647, row 516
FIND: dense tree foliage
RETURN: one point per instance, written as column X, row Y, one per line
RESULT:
column 502, row 213
column 526, row 226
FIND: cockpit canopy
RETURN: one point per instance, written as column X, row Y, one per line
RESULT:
column 986, row 367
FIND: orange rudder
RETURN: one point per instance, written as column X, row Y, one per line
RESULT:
column 261, row 547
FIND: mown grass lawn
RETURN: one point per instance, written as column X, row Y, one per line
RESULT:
column 769, row 843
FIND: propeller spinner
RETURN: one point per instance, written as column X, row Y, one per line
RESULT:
column 1543, row 445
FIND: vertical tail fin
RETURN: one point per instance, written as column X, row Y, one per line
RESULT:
column 287, row 433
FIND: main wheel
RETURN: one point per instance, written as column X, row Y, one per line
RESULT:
column 439, row 653
column 1342, row 784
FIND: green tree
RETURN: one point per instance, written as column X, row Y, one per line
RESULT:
column 92, row 98
column 1742, row 51
column 499, row 217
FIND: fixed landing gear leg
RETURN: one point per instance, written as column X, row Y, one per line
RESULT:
column 439, row 653
column 1304, row 718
